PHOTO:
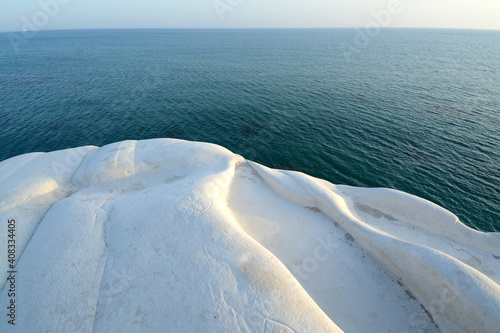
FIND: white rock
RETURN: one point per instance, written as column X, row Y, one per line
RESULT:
column 173, row 236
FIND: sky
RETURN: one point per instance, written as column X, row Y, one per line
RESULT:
column 17, row 15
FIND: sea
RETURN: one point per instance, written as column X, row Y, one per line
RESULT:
column 416, row 110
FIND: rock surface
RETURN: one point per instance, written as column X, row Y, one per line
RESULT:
column 173, row 236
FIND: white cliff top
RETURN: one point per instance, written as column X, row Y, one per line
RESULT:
column 174, row 236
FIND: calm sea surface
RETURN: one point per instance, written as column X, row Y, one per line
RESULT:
column 414, row 110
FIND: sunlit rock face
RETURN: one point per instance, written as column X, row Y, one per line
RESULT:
column 174, row 236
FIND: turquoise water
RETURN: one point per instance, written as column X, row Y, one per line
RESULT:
column 414, row 110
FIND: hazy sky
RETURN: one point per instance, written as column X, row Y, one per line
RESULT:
column 16, row 15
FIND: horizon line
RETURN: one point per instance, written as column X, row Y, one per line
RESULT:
column 251, row 28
